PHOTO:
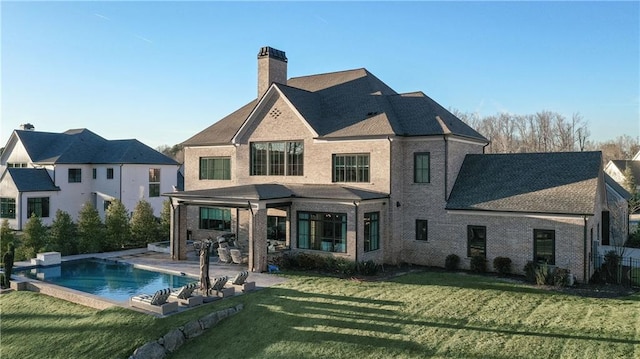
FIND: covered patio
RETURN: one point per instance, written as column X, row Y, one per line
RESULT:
column 251, row 209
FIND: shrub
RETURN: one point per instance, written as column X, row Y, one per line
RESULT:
column 478, row 264
column 345, row 267
column 452, row 262
column 611, row 267
column 634, row 239
column 543, row 274
column 368, row 268
column 561, row 277
column 91, row 233
column 502, row 265
column 530, row 271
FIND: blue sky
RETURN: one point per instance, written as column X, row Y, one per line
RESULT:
column 163, row 71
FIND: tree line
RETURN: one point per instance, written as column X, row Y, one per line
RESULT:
column 546, row 131
column 89, row 234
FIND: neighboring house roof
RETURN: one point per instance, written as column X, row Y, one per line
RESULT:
column 32, row 179
column 349, row 104
column 550, row 183
column 616, row 187
column 634, row 166
column 271, row 191
column 83, row 146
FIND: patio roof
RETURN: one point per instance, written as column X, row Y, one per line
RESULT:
column 241, row 195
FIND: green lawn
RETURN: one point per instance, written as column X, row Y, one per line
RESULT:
column 420, row 315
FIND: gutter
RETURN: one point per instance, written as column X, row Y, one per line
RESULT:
column 585, row 261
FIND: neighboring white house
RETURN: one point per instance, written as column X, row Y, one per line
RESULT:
column 43, row 172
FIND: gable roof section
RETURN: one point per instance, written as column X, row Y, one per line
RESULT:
column 351, row 103
column 32, row 179
column 616, row 188
column 549, row 183
column 83, row 146
column 634, row 166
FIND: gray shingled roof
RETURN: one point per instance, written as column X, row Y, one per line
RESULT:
column 350, row 104
column 32, row 179
column 84, row 146
column 271, row 191
column 551, row 183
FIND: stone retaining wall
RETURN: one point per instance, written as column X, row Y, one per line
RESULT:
column 170, row 342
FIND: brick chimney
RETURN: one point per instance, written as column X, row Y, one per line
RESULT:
column 272, row 67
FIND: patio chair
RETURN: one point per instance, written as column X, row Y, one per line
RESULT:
column 236, row 256
column 156, row 302
column 184, row 295
column 223, row 254
column 240, row 281
column 218, row 287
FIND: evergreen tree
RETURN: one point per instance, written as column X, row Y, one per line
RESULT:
column 630, row 185
column 144, row 225
column 117, row 226
column 34, row 237
column 63, row 236
column 91, row 235
column 7, row 236
column 165, row 220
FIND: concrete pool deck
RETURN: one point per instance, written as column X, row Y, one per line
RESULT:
column 144, row 259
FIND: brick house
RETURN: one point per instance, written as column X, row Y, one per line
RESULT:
column 341, row 164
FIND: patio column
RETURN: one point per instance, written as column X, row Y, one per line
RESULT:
column 258, row 240
column 178, row 229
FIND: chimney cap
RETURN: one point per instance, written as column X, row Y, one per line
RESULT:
column 267, row 51
column 27, row 127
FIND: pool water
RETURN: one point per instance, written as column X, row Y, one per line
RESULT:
column 108, row 279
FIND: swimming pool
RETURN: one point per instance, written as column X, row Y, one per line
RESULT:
column 106, row 278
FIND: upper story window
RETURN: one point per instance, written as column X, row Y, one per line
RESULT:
column 215, row 168
column 351, row 168
column 16, row 165
column 277, row 158
column 421, row 172
column 7, row 207
column 154, row 182
column 94, row 173
column 75, row 175
column 38, row 206
column 109, row 173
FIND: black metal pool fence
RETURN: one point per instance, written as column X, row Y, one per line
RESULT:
column 615, row 269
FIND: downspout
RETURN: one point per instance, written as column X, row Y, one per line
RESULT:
column 355, row 204
column 585, row 254
column 21, row 210
column 120, row 190
column 446, row 166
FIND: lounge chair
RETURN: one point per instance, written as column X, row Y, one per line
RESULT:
column 156, row 302
column 218, row 287
column 184, row 295
column 240, row 281
column 236, row 256
column 223, row 253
